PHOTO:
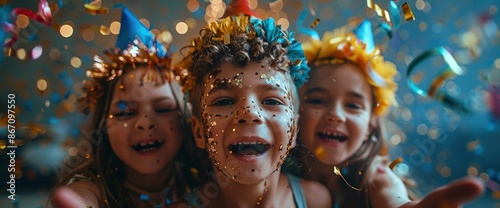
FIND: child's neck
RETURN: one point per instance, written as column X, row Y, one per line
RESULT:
column 237, row 195
column 324, row 174
column 150, row 182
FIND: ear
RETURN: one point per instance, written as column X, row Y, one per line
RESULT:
column 297, row 128
column 197, row 132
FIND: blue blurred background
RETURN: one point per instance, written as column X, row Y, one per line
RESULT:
column 438, row 143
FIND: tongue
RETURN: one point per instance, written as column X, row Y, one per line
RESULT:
column 248, row 149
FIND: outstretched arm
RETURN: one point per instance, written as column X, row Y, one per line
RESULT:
column 78, row 194
column 452, row 195
column 388, row 190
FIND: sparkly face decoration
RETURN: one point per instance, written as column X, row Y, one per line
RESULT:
column 336, row 112
column 248, row 120
column 144, row 124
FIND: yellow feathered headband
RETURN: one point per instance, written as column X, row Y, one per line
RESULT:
column 338, row 46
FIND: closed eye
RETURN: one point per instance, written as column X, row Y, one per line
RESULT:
column 223, row 101
column 272, row 101
column 315, row 101
column 354, row 106
column 123, row 114
column 164, row 110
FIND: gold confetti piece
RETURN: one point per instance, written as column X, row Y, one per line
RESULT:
column 54, row 7
column 227, row 38
column 8, row 51
column 407, row 12
column 95, row 8
column 3, row 144
column 395, row 162
column 380, row 12
column 337, row 172
column 104, row 30
column 313, row 24
column 297, row 62
column 320, row 152
column 438, row 82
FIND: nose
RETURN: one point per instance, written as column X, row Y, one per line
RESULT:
column 145, row 122
column 248, row 114
column 336, row 114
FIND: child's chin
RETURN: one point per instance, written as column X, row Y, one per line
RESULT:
column 252, row 178
column 328, row 160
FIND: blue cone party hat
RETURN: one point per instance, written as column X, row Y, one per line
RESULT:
column 131, row 29
column 365, row 34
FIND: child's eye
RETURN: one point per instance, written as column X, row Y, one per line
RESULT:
column 223, row 101
column 272, row 101
column 315, row 101
column 123, row 114
column 354, row 106
column 164, row 110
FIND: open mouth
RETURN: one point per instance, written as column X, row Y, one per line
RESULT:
column 329, row 136
column 147, row 146
column 249, row 149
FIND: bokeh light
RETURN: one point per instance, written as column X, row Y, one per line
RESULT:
column 181, row 28
column 66, row 31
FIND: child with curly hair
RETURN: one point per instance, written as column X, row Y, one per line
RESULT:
column 242, row 75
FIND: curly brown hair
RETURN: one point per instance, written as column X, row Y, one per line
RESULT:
column 241, row 50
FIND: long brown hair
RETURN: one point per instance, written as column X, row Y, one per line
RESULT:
column 104, row 168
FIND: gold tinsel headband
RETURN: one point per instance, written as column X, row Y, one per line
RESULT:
column 115, row 63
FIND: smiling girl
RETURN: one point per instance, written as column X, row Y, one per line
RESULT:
column 142, row 156
column 350, row 89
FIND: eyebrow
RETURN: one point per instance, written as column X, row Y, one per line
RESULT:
column 232, row 86
column 128, row 102
column 323, row 90
column 316, row 89
column 356, row 94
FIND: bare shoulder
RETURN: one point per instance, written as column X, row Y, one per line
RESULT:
column 316, row 194
column 385, row 187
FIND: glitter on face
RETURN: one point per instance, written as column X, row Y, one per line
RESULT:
column 223, row 94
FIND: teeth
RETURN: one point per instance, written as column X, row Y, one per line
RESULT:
column 332, row 134
column 247, row 142
column 142, row 144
